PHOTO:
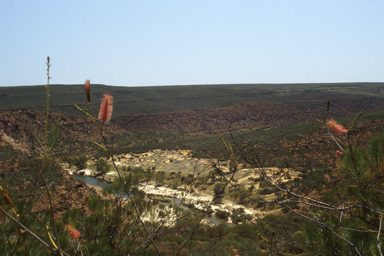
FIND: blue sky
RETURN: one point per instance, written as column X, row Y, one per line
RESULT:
column 141, row 43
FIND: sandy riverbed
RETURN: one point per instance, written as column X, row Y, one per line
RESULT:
column 181, row 161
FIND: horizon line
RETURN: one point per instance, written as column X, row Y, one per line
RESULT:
column 213, row 84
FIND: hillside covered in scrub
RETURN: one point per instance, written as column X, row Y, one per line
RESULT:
column 281, row 119
column 266, row 150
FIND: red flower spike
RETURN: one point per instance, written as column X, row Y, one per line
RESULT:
column 106, row 108
column 73, row 233
column 336, row 128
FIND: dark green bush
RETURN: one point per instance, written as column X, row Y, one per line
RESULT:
column 222, row 214
column 81, row 162
column 102, row 166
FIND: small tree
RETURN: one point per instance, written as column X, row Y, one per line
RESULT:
column 102, row 167
column 81, row 162
column 68, row 160
column 219, row 189
column 222, row 214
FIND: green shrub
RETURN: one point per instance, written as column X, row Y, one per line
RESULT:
column 222, row 214
column 219, row 189
column 102, row 166
column 68, row 160
column 81, row 162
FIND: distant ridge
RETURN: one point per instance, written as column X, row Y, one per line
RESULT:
column 176, row 98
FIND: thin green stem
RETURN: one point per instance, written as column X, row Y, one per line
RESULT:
column 47, row 115
column 51, row 208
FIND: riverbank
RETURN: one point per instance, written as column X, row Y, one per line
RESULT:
column 180, row 162
column 196, row 200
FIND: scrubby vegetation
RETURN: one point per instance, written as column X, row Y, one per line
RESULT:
column 326, row 195
column 150, row 100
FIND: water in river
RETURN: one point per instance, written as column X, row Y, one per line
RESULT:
column 91, row 181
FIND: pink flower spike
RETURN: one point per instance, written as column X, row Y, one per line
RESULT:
column 336, row 128
column 339, row 152
column 73, row 233
column 106, row 108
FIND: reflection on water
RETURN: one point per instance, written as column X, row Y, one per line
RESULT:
column 91, row 181
column 95, row 182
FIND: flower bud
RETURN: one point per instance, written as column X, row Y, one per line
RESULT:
column 88, row 90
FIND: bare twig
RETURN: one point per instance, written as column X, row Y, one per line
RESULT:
column 129, row 194
column 379, row 233
column 202, row 217
column 155, row 233
column 42, row 195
